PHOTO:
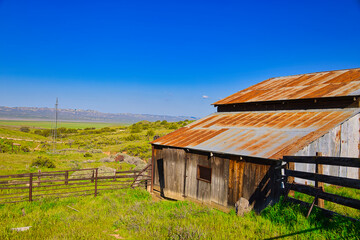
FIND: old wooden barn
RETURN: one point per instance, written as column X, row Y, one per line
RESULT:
column 234, row 152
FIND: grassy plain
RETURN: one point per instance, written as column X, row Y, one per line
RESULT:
column 50, row 124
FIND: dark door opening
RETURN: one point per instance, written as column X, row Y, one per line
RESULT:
column 160, row 167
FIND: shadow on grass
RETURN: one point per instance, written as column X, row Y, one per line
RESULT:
column 295, row 233
column 293, row 216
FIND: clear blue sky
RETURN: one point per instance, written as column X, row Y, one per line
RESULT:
column 162, row 57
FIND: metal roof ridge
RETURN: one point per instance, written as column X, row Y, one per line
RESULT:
column 294, row 75
column 293, row 110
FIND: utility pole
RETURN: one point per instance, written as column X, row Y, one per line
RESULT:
column 55, row 129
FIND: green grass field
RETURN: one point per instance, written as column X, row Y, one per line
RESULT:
column 50, row 124
column 132, row 214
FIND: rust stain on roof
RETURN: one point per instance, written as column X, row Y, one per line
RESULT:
column 266, row 134
column 311, row 85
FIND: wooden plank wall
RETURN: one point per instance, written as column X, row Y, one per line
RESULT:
column 174, row 171
column 231, row 177
column 251, row 180
column 180, row 169
column 219, row 180
column 341, row 141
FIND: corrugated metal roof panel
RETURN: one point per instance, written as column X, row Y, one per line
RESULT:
column 270, row 134
column 312, row 85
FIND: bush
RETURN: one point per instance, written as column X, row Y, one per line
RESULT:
column 135, row 128
column 107, row 159
column 43, row 162
column 132, row 137
column 44, row 132
column 142, row 151
column 150, row 133
column 25, row 129
column 37, row 131
column 6, row 145
column 87, row 155
column 173, row 126
column 25, row 149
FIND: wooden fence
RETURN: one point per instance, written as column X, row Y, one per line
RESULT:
column 317, row 191
column 68, row 183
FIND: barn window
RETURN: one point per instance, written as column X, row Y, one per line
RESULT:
column 204, row 173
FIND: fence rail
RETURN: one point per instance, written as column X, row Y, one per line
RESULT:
column 319, row 178
column 68, row 183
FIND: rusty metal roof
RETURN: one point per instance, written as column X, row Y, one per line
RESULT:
column 270, row 134
column 311, row 85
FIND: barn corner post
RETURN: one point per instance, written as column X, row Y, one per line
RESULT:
column 152, row 168
column 277, row 181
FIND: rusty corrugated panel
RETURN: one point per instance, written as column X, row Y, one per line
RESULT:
column 266, row 134
column 312, row 85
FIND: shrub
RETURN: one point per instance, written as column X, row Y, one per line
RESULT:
column 106, row 159
column 37, row 131
column 173, row 126
column 87, row 155
column 95, row 151
column 150, row 133
column 6, row 145
column 142, row 151
column 25, row 129
column 44, row 132
column 25, row 149
column 43, row 162
column 132, row 137
column 74, row 164
column 135, row 128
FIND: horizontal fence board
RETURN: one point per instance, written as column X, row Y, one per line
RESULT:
column 337, row 161
column 15, row 183
column 16, row 175
column 349, row 202
column 47, row 194
column 14, row 201
column 340, row 181
column 62, row 180
column 57, row 189
column 7, row 188
column 112, row 188
column 77, row 195
column 17, row 193
column 62, row 184
column 327, row 212
column 23, row 196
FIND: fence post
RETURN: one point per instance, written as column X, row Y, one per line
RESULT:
column 96, row 178
column 66, row 177
column 291, row 166
column 39, row 178
column 93, row 175
column 319, row 170
column 30, row 187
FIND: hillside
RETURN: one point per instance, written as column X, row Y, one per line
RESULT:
column 82, row 115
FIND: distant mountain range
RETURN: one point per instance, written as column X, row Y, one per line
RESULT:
column 34, row 113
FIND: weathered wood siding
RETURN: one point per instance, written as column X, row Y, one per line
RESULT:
column 252, row 180
column 174, row 171
column 231, row 177
column 219, row 180
column 341, row 141
column 180, row 170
